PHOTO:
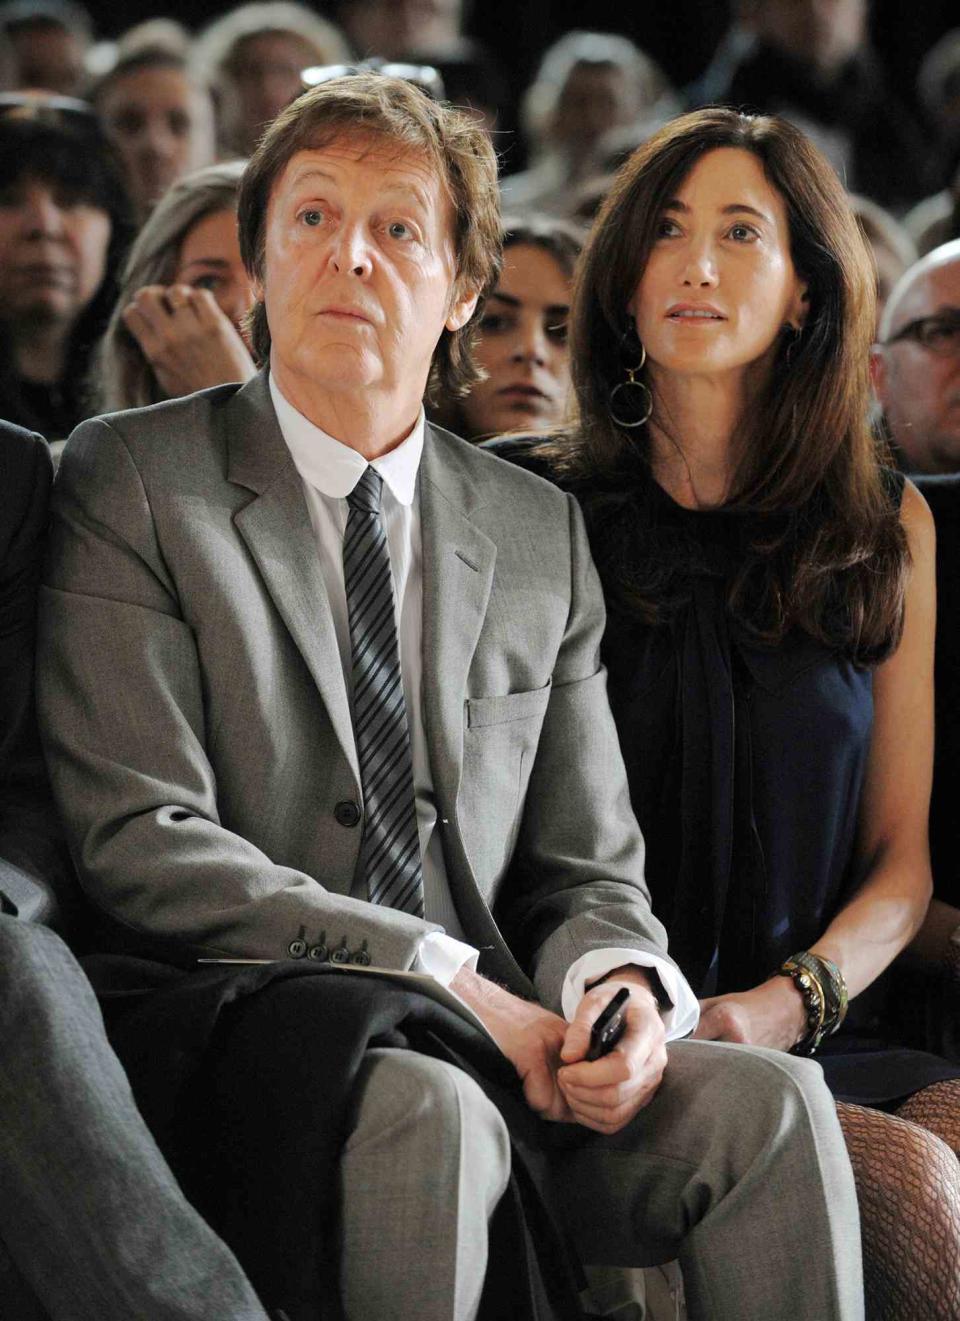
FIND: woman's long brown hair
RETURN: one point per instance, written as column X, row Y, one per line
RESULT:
column 827, row 553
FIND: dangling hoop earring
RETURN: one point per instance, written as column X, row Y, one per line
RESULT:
column 626, row 395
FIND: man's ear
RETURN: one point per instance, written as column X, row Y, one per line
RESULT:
column 461, row 308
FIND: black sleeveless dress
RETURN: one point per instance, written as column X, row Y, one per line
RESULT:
column 745, row 764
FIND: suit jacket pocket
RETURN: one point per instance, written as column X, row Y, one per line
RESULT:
column 511, row 706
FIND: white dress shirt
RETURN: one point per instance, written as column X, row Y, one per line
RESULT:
column 330, row 470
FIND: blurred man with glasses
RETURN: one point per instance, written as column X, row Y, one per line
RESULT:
column 916, row 364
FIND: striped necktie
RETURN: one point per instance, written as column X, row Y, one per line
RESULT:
column 390, row 848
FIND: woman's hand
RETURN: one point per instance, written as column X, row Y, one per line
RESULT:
column 188, row 340
column 770, row 1015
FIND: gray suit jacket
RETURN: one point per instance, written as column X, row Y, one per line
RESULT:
column 197, row 722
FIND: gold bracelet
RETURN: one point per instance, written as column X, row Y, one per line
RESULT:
column 814, row 1003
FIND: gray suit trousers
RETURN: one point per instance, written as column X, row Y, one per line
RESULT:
column 737, row 1167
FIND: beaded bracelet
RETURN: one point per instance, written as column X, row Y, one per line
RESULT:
column 824, row 992
column 814, row 1003
column 833, row 984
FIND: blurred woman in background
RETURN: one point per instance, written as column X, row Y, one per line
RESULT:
column 160, row 119
column 522, row 336
column 65, row 224
column 253, row 57
column 178, row 325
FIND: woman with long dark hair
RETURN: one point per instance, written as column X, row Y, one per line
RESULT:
column 769, row 582
column 65, row 223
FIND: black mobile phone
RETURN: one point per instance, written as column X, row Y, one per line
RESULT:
column 608, row 1026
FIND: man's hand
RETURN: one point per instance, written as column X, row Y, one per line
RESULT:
column 188, row 340
column 529, row 1035
column 769, row 1015
column 606, row 1094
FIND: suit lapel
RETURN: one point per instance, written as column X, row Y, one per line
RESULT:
column 276, row 528
column 458, row 562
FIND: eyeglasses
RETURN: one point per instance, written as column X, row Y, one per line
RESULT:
column 424, row 76
column 46, row 108
column 940, row 334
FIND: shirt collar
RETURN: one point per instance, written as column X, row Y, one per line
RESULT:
column 332, row 467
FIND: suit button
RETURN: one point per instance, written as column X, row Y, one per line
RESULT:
column 318, row 953
column 297, row 948
column 340, row 955
column 347, row 813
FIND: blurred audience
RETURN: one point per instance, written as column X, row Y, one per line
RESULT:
column 916, row 364
column 399, row 29
column 154, row 34
column 811, row 61
column 935, row 220
column 522, row 337
column 253, row 58
column 892, row 247
column 178, row 322
column 938, row 91
column 589, row 85
column 159, row 117
column 49, row 39
column 431, row 32
column 64, row 226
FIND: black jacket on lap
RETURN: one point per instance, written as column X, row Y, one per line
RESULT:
column 245, row 1076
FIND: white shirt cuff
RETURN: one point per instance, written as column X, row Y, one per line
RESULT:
column 679, row 1019
column 442, row 957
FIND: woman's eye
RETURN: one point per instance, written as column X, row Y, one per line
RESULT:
column 211, row 282
column 492, row 322
column 557, row 331
column 312, row 217
column 666, row 229
column 399, row 230
column 743, row 233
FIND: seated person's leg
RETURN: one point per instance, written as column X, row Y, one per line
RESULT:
column 738, row 1167
column 426, row 1162
column 90, row 1211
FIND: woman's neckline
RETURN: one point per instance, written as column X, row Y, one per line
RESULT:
column 673, row 503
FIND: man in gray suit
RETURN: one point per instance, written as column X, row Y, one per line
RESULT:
column 232, row 788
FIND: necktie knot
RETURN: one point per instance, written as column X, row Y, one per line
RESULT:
column 365, row 496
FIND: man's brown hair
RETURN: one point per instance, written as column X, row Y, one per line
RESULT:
column 395, row 112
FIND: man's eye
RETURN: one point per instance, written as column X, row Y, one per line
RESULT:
column 399, row 230
column 211, row 282
column 312, row 217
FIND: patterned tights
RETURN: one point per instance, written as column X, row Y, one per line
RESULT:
column 908, row 1185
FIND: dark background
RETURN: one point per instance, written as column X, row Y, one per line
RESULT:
column 680, row 34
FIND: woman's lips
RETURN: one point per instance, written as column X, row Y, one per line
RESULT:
column 529, row 393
